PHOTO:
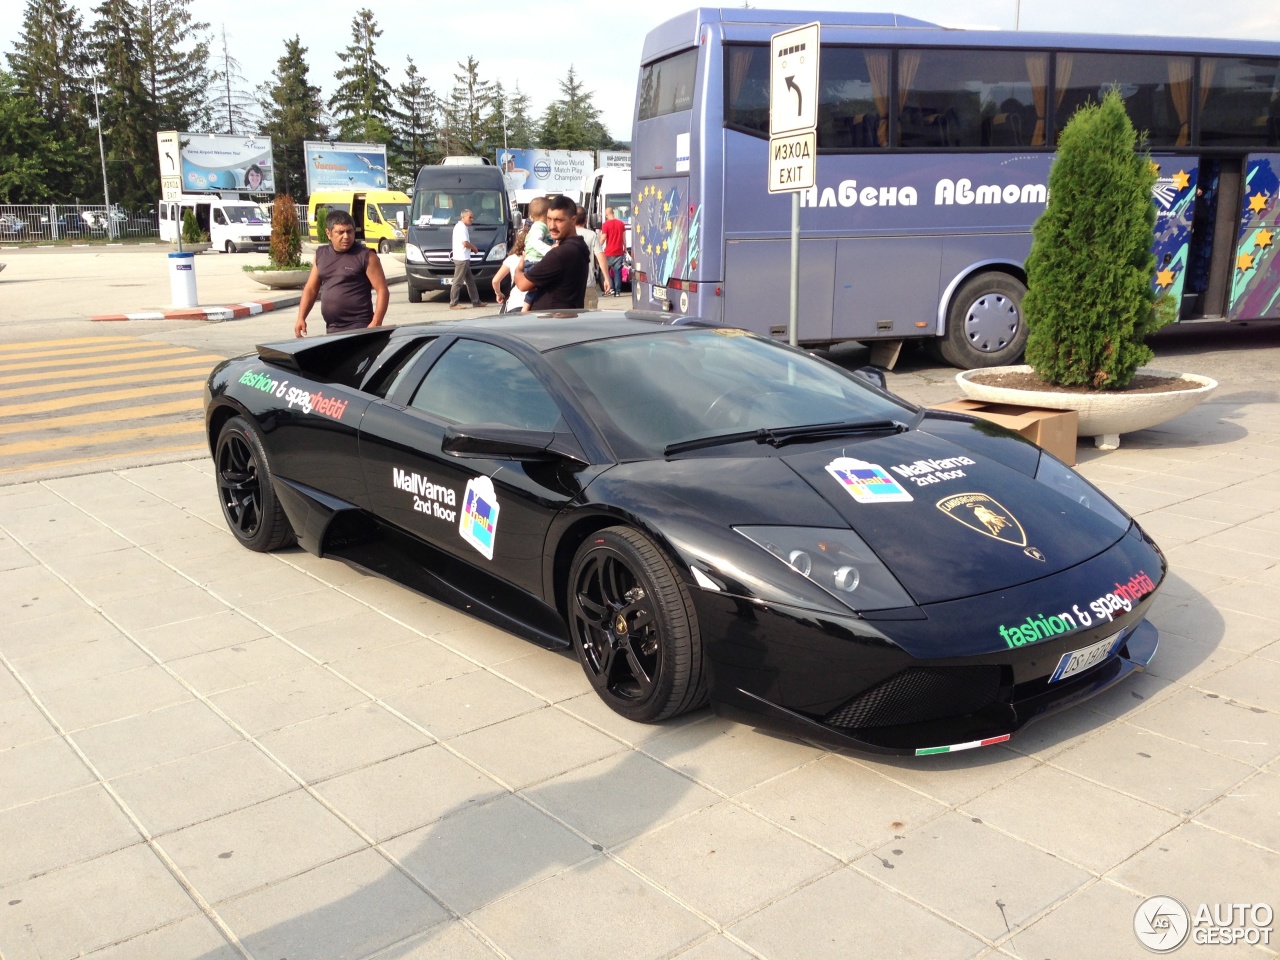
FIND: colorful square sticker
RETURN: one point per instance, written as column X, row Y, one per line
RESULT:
column 479, row 523
column 867, row 482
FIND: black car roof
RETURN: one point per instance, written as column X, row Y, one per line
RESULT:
column 547, row 331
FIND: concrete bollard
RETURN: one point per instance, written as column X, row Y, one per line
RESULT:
column 182, row 279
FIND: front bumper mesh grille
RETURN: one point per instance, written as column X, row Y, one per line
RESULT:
column 919, row 694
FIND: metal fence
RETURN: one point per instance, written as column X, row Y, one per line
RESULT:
column 46, row 223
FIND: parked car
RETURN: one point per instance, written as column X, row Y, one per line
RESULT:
column 698, row 513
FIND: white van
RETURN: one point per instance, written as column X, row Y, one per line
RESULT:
column 604, row 188
column 232, row 224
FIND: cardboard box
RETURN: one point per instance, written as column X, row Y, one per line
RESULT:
column 1054, row 430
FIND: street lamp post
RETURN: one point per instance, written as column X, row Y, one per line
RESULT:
column 102, row 154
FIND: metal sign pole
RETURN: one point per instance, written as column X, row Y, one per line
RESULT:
column 795, row 269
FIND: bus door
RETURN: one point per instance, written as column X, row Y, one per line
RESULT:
column 1255, row 276
column 1196, row 220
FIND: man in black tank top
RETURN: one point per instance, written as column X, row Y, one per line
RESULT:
column 349, row 273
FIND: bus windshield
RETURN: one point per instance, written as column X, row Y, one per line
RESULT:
column 245, row 213
column 443, row 207
column 621, row 204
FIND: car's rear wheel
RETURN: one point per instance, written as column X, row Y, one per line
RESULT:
column 245, row 487
column 415, row 295
column 634, row 627
column 985, row 325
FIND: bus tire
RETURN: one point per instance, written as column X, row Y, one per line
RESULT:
column 415, row 295
column 384, row 246
column 231, row 247
column 985, row 324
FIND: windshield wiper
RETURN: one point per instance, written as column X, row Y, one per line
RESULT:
column 777, row 436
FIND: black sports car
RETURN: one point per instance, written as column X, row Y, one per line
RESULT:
column 701, row 513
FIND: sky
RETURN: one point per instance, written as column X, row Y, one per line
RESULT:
column 532, row 45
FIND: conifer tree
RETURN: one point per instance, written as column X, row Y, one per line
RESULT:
column 469, row 103
column 50, row 66
column 127, row 109
column 174, row 54
column 573, row 121
column 234, row 110
column 1090, row 300
column 415, row 126
column 361, row 105
column 521, row 132
column 291, row 110
column 29, row 151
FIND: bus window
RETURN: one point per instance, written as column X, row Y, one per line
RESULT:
column 1239, row 102
column 667, row 85
column 746, row 95
column 1156, row 91
column 971, row 98
column 853, row 102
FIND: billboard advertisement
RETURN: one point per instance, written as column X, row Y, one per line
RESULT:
column 345, row 166
column 538, row 172
column 223, row 162
column 613, row 159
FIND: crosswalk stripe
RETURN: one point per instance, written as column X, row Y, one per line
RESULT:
column 74, row 361
column 80, row 404
column 97, row 439
column 106, row 396
column 204, row 358
column 195, row 449
column 106, row 416
column 6, row 348
column 184, row 373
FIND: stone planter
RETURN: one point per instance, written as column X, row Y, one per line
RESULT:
column 192, row 247
column 282, row 279
column 1104, row 415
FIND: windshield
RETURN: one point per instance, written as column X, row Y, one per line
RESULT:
column 244, row 212
column 391, row 210
column 621, row 203
column 648, row 392
column 442, row 207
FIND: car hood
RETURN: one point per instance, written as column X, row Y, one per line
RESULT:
column 949, row 521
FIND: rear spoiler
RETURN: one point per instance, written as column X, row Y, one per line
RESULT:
column 315, row 357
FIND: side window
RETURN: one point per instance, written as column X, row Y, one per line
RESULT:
column 853, row 100
column 667, row 85
column 1156, row 91
column 746, row 83
column 970, row 98
column 219, row 218
column 1239, row 102
column 477, row 382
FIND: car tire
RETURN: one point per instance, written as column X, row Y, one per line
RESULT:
column 985, row 324
column 384, row 246
column 230, row 247
column 246, row 488
column 653, row 669
column 415, row 295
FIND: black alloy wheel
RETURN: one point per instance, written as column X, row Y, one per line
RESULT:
column 249, row 503
column 634, row 627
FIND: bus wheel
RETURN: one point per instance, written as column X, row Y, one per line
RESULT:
column 985, row 325
column 415, row 295
column 231, row 247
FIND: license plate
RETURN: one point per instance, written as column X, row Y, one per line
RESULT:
column 659, row 293
column 1080, row 660
column 446, row 282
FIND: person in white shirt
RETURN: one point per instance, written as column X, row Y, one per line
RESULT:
column 462, row 249
column 515, row 301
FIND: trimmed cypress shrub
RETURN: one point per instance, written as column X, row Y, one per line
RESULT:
column 1090, row 299
column 286, row 234
column 191, row 232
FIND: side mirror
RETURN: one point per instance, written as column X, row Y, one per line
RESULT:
column 873, row 376
column 497, row 441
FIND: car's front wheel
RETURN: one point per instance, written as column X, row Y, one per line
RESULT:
column 634, row 627
column 384, row 246
column 231, row 247
column 415, row 295
column 249, row 503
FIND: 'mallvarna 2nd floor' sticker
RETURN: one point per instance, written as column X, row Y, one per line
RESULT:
column 479, row 523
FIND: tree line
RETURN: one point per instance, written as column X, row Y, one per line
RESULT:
column 154, row 68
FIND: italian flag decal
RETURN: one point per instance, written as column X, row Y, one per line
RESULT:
column 956, row 747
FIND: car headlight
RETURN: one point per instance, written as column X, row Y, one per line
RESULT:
column 497, row 252
column 397, row 233
column 1054, row 473
column 838, row 561
column 413, row 253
